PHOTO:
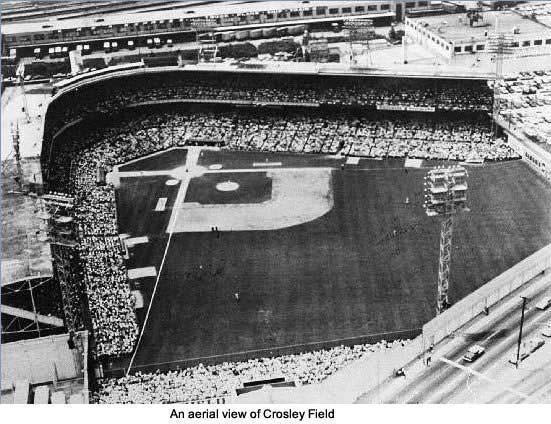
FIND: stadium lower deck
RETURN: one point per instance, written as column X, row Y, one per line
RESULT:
column 364, row 270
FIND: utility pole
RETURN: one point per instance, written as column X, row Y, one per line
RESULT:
column 17, row 155
column 405, row 49
column 520, row 330
column 501, row 46
column 20, row 71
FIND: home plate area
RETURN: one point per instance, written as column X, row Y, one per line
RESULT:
column 244, row 199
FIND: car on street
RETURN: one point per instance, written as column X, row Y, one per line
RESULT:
column 544, row 303
column 473, row 353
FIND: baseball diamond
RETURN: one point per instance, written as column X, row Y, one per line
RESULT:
column 319, row 254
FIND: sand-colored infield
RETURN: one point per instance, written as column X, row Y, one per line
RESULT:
column 298, row 196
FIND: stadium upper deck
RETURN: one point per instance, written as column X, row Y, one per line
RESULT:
column 128, row 25
column 298, row 89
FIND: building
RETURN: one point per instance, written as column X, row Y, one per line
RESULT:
column 457, row 34
column 22, row 37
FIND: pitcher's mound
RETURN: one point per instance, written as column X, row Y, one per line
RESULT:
column 227, row 186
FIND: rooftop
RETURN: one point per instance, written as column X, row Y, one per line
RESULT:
column 455, row 27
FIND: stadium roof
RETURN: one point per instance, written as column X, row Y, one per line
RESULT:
column 290, row 68
column 455, row 27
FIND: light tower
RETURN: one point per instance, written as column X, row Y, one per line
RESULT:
column 445, row 195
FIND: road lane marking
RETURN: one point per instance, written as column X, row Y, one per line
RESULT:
column 482, row 376
column 491, row 335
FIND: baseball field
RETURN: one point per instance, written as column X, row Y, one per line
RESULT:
column 259, row 253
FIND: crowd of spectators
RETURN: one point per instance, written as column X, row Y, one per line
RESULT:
column 202, row 382
column 377, row 136
column 71, row 285
column 350, row 93
column 102, row 273
column 111, row 304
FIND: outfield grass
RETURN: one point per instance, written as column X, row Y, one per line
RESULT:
column 341, row 276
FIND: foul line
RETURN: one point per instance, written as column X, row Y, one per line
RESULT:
column 174, row 218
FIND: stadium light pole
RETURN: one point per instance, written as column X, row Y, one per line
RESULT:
column 445, row 195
